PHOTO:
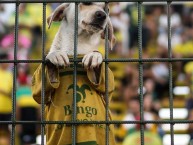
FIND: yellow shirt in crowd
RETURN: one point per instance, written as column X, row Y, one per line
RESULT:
column 90, row 105
column 184, row 49
column 6, row 84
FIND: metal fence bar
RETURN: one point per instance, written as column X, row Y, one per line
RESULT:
column 170, row 72
column 43, row 74
column 75, row 74
column 13, row 116
column 78, row 1
column 106, row 81
column 100, row 122
column 131, row 60
column 140, row 51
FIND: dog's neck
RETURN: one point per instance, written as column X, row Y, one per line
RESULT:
column 64, row 40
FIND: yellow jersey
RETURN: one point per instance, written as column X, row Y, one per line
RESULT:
column 6, row 85
column 90, row 105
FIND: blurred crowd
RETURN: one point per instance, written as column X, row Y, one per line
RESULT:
column 124, row 18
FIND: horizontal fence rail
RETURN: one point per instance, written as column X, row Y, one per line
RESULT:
column 132, row 60
column 101, row 122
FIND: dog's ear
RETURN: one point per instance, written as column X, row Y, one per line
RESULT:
column 57, row 15
column 111, row 36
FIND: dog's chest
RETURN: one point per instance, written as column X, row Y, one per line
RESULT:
column 85, row 44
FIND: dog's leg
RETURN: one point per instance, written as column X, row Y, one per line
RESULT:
column 93, row 61
column 58, row 55
column 58, row 58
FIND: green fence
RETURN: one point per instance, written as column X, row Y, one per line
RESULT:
column 75, row 60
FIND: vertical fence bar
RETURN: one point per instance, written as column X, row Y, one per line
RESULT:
column 139, row 6
column 75, row 74
column 170, row 72
column 106, row 80
column 43, row 74
column 13, row 116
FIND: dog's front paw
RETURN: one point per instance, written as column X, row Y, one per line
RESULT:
column 92, row 60
column 58, row 58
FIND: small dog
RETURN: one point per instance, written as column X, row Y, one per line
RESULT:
column 92, row 21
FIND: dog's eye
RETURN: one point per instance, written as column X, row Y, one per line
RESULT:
column 87, row 3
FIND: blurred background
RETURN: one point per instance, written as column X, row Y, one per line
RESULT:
column 125, row 102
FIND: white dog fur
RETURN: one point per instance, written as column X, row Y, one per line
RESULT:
column 88, row 35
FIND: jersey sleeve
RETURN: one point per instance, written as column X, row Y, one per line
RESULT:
column 51, row 82
column 100, row 84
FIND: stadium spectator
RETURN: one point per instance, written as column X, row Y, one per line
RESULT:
column 133, row 114
column 28, row 108
column 5, row 99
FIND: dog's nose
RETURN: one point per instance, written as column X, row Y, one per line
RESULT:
column 100, row 15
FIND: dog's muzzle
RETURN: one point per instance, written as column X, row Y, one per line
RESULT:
column 99, row 19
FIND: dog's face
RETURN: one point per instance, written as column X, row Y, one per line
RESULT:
column 91, row 17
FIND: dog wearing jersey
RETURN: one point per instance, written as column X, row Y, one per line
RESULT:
column 90, row 88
